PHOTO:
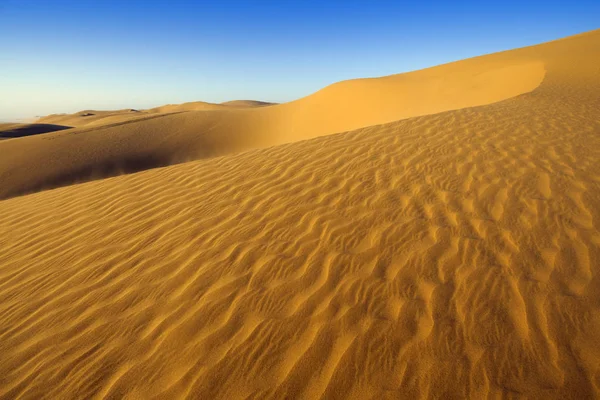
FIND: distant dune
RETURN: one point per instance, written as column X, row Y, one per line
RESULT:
column 247, row 103
column 434, row 234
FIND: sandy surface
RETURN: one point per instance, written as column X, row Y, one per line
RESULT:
column 453, row 253
column 108, row 143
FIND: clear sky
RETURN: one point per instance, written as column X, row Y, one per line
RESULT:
column 66, row 56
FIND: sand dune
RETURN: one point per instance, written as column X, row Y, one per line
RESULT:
column 247, row 103
column 89, row 118
column 452, row 255
column 198, row 130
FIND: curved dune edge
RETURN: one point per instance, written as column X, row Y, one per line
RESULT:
column 360, row 103
column 130, row 141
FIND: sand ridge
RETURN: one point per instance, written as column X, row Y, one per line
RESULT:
column 200, row 130
column 453, row 255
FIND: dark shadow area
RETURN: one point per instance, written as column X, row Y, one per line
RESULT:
column 104, row 169
column 30, row 130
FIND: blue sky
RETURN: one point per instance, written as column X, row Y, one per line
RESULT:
column 65, row 56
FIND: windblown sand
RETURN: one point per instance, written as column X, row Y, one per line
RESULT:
column 447, row 245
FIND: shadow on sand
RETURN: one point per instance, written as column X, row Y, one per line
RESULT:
column 29, row 130
column 95, row 170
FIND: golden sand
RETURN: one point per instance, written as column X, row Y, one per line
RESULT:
column 447, row 245
column 108, row 143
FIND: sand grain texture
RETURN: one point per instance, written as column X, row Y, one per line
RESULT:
column 453, row 255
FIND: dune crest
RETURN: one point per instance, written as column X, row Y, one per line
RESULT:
column 359, row 103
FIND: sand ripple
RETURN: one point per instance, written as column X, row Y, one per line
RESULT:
column 447, row 256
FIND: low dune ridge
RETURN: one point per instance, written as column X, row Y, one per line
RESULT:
column 247, row 103
column 87, row 118
column 450, row 254
column 191, row 106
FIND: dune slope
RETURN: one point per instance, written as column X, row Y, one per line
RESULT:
column 454, row 255
column 200, row 130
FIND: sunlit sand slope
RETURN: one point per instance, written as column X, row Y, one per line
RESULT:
column 108, row 144
column 455, row 255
